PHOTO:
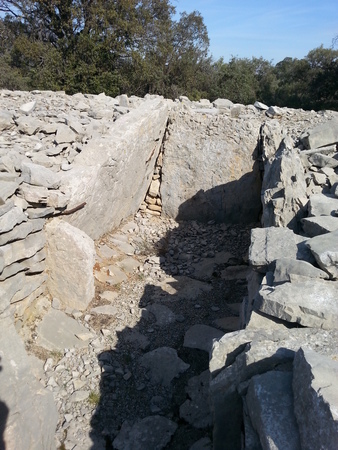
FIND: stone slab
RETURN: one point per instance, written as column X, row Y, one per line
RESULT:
column 315, row 226
column 316, row 399
column 325, row 250
column 70, row 261
column 311, row 303
column 164, row 365
column 58, row 331
column 270, row 406
column 201, row 337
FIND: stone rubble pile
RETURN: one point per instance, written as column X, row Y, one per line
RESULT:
column 276, row 380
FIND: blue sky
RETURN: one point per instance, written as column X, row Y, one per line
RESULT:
column 269, row 28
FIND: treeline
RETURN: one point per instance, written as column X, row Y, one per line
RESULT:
column 139, row 47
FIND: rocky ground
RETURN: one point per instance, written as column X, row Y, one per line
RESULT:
column 140, row 377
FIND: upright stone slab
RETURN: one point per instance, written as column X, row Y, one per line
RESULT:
column 316, row 399
column 70, row 260
column 270, row 405
column 113, row 172
column 210, row 168
column 321, row 135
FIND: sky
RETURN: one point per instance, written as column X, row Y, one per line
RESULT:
column 273, row 29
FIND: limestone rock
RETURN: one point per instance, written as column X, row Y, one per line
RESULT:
column 284, row 188
column 107, row 174
column 11, row 218
column 58, row 331
column 316, row 399
column 70, row 260
column 322, row 205
column 6, row 121
column 269, row 244
column 311, row 303
column 196, row 409
column 201, row 337
column 27, row 408
column 207, row 178
column 153, row 432
column 270, row 405
column 321, row 135
column 325, row 250
column 164, row 365
column 288, row 269
column 40, row 176
column 315, row 226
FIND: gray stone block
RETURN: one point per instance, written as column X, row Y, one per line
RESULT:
column 316, row 399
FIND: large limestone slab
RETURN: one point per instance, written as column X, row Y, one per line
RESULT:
column 40, row 176
column 311, row 303
column 57, row 331
column 27, row 410
column 321, row 135
column 210, row 169
column 314, row 226
column 270, row 406
column 70, row 260
column 322, row 205
column 201, row 337
column 288, row 269
column 316, row 399
column 269, row 244
column 325, row 250
column 113, row 172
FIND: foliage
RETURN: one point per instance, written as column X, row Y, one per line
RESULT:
column 138, row 47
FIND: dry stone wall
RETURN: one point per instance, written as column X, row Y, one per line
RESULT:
column 273, row 384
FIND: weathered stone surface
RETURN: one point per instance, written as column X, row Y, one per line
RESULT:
column 320, row 160
column 70, row 260
column 57, row 331
column 40, row 176
column 316, row 399
column 6, row 121
column 164, row 365
column 325, row 250
column 270, row 405
column 311, row 303
column 27, row 108
column 196, row 409
column 7, row 189
column 314, row 226
column 202, row 444
column 284, row 188
column 215, row 177
column 288, row 269
column 321, row 135
column 269, row 244
column 12, row 218
column 107, row 174
column 23, row 249
column 322, row 205
column 247, row 353
column 164, row 315
column 153, row 432
column 223, row 103
column 201, row 337
column 260, row 105
column 28, row 125
column 181, row 287
column 27, row 408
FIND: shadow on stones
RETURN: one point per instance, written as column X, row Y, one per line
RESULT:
column 133, row 388
column 4, row 411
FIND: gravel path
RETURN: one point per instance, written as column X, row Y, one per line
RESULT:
column 142, row 381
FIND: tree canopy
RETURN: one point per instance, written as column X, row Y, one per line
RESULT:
column 139, row 47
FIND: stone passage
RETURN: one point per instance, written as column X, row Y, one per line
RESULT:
column 124, row 325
